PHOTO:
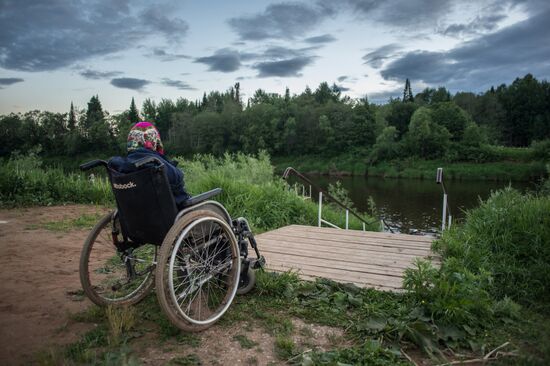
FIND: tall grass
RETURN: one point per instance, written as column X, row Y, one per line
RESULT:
column 508, row 237
column 249, row 189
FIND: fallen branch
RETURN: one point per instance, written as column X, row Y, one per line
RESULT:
column 485, row 358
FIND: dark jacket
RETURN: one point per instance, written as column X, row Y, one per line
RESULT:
column 175, row 175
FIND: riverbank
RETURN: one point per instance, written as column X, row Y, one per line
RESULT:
column 352, row 165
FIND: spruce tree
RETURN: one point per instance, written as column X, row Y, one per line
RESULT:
column 94, row 113
column 71, row 123
column 287, row 95
column 133, row 114
column 407, row 92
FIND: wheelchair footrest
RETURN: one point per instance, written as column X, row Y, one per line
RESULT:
column 258, row 263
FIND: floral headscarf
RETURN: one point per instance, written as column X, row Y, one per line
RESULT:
column 145, row 135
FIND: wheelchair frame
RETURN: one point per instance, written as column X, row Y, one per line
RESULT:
column 199, row 266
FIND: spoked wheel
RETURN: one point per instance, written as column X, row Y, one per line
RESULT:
column 198, row 271
column 109, row 276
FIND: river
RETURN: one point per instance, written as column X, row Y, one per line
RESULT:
column 414, row 205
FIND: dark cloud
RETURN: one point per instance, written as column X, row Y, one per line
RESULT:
column 177, row 84
column 487, row 60
column 130, row 83
column 38, row 35
column 342, row 78
column 10, row 81
column 377, row 57
column 162, row 55
column 342, row 88
column 96, row 75
column 173, row 29
column 283, row 68
column 224, row 60
column 486, row 21
column 383, row 97
column 272, row 61
column 286, row 20
column 325, row 38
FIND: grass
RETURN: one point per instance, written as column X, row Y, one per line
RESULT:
column 249, row 190
column 244, row 341
column 84, row 221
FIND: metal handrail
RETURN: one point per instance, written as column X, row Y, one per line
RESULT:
column 446, row 207
column 290, row 170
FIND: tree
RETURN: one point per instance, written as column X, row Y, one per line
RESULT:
column 149, row 110
column 425, row 138
column 133, row 114
column 407, row 92
column 71, row 122
column 452, row 117
column 94, row 113
column 399, row 116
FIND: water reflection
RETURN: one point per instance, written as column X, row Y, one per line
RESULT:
column 412, row 204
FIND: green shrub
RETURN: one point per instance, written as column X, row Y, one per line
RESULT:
column 507, row 236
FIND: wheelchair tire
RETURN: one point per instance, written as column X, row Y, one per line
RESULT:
column 198, row 270
column 247, row 281
column 104, row 273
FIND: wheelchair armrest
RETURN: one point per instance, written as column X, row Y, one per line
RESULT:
column 92, row 164
column 201, row 197
column 148, row 159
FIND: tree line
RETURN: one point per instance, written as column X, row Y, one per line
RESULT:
column 431, row 124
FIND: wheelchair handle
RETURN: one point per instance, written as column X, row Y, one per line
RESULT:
column 149, row 159
column 92, row 164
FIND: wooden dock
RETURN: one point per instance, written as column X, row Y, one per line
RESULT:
column 365, row 258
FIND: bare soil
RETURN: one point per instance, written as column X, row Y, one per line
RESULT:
column 40, row 288
column 38, row 281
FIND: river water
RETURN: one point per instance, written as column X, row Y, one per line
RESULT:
column 414, row 205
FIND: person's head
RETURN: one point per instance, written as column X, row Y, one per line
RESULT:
column 144, row 135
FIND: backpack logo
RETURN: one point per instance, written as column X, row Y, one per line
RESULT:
column 124, row 186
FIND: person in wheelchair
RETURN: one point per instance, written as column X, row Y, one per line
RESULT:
column 144, row 141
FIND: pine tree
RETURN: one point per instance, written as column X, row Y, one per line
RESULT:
column 287, row 95
column 71, row 123
column 407, row 92
column 238, row 93
column 133, row 114
column 94, row 113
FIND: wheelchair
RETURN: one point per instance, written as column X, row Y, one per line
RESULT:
column 193, row 253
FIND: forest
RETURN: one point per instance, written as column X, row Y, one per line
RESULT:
column 432, row 124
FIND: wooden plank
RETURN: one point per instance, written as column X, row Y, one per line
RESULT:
column 349, row 236
column 373, row 268
column 392, row 236
column 366, row 259
column 334, row 253
column 364, row 245
column 343, row 276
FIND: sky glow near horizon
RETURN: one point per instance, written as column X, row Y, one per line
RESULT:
column 56, row 52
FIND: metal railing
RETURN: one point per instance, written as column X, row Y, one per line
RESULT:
column 446, row 208
column 323, row 193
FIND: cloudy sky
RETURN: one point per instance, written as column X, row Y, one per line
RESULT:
column 53, row 52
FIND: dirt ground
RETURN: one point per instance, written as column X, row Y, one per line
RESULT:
column 39, row 286
column 38, row 280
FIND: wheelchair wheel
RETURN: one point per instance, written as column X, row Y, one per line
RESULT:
column 198, row 270
column 247, row 281
column 109, row 276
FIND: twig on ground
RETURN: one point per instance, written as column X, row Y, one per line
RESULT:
column 485, row 358
column 298, row 355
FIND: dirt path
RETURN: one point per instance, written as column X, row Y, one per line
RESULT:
column 39, row 278
column 38, row 273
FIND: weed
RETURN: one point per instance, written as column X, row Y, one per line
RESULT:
column 244, row 341
column 92, row 314
column 188, row 339
column 189, row 360
column 284, row 347
column 121, row 320
column 252, row 360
